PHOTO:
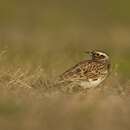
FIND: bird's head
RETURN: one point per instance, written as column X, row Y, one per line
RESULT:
column 98, row 55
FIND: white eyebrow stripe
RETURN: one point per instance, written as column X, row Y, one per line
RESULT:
column 101, row 53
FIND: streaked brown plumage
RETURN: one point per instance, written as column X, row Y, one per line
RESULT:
column 88, row 73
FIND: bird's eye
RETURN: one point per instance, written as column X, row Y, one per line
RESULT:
column 102, row 56
column 97, row 54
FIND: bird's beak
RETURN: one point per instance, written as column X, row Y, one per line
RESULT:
column 88, row 52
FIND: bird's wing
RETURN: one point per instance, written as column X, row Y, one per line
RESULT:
column 82, row 71
column 71, row 74
column 93, row 70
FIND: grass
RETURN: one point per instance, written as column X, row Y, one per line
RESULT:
column 27, row 70
column 41, row 39
column 26, row 101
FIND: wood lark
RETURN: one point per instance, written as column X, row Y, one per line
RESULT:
column 86, row 74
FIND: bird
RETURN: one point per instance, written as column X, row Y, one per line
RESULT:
column 86, row 74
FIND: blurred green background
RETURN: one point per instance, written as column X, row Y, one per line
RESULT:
column 55, row 33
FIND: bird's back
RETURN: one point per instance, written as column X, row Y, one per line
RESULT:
column 85, row 70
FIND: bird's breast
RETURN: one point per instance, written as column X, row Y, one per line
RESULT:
column 91, row 83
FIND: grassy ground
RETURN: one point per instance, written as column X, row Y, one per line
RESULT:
column 26, row 103
column 27, row 100
column 40, row 40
